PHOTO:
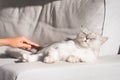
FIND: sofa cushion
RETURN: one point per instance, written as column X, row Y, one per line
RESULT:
column 73, row 14
column 106, row 68
column 18, row 21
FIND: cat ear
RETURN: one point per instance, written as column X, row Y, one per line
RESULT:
column 81, row 34
column 104, row 39
column 91, row 35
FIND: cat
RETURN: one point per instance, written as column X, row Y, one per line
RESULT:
column 84, row 48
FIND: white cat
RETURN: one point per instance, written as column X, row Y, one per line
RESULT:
column 84, row 48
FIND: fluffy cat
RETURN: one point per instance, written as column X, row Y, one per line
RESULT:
column 84, row 48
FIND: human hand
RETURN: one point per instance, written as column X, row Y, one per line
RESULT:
column 21, row 42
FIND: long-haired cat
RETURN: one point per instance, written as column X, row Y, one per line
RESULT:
column 84, row 48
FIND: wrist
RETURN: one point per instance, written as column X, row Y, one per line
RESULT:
column 4, row 42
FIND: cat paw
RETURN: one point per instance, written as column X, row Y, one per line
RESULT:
column 73, row 59
column 49, row 60
column 24, row 58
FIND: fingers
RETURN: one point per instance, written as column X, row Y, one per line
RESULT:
column 25, row 46
column 30, row 42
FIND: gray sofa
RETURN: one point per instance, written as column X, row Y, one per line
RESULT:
column 49, row 21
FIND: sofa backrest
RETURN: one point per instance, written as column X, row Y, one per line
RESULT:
column 48, row 21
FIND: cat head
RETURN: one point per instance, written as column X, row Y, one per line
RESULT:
column 90, row 40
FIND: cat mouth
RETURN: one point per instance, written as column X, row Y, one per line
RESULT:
column 84, row 45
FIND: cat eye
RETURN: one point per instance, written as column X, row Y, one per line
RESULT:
column 91, row 38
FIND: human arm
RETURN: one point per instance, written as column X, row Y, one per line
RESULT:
column 18, row 42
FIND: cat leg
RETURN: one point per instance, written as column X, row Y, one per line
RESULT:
column 31, row 58
column 14, row 53
column 73, row 59
column 52, row 56
column 25, row 58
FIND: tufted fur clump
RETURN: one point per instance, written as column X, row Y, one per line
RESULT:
column 84, row 48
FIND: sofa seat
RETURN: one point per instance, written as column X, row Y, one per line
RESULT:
column 106, row 68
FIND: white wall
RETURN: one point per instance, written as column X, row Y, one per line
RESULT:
column 112, row 27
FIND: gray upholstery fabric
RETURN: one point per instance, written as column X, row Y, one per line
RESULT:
column 43, row 21
column 106, row 68
column 48, row 21
column 73, row 14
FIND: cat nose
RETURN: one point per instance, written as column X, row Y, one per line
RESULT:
column 87, row 40
column 84, row 39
